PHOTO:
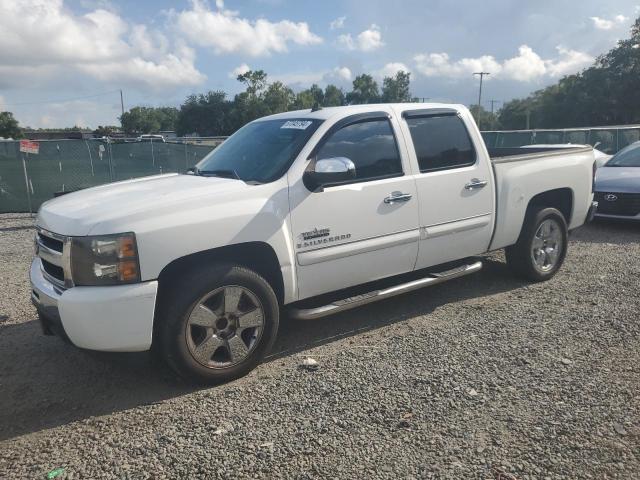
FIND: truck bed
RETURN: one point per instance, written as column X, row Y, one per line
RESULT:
column 522, row 173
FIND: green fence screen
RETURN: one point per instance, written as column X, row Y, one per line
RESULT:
column 608, row 139
column 68, row 165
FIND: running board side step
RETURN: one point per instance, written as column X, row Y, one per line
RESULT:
column 374, row 296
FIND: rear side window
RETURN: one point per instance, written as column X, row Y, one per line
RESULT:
column 370, row 145
column 441, row 142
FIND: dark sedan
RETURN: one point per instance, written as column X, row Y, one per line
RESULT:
column 617, row 188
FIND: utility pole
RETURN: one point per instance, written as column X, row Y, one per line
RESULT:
column 121, row 106
column 482, row 74
column 493, row 102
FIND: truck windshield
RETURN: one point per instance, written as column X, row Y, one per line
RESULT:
column 627, row 157
column 260, row 151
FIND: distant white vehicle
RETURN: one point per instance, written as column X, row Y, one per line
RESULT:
column 150, row 138
column 600, row 156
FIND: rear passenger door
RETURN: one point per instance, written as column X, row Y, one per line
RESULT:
column 348, row 234
column 454, row 183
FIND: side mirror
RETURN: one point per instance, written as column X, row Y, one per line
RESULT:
column 329, row 171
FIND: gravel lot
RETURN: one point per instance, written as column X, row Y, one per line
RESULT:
column 482, row 377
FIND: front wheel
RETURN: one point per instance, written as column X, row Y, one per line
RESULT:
column 542, row 246
column 217, row 323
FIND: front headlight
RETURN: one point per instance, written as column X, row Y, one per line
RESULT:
column 105, row 260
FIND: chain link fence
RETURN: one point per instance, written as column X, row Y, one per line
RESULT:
column 27, row 180
column 607, row 139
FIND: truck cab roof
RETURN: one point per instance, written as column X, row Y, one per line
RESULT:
column 329, row 112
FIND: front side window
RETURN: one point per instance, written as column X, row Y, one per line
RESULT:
column 370, row 145
column 260, row 151
column 441, row 142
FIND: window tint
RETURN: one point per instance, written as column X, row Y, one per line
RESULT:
column 370, row 145
column 261, row 151
column 441, row 142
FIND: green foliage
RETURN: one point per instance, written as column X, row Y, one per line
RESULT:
column 488, row 120
column 9, row 127
column 333, row 97
column 206, row 114
column 365, row 90
column 607, row 93
column 396, row 89
column 149, row 119
column 255, row 81
column 106, row 130
column 213, row 114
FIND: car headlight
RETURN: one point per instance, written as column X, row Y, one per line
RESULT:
column 105, row 260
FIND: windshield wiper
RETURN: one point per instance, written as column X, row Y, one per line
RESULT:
column 216, row 173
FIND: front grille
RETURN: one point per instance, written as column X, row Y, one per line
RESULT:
column 51, row 250
column 53, row 270
column 624, row 204
column 52, row 243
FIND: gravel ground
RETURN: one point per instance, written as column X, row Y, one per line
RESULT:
column 482, row 377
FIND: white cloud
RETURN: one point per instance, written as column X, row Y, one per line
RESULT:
column 568, row 62
column 390, row 69
column 239, row 70
column 604, row 24
column 100, row 44
column 527, row 66
column 338, row 75
column 366, row 41
column 337, row 23
column 343, row 73
column 225, row 32
column 440, row 65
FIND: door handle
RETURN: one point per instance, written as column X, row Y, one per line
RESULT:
column 475, row 183
column 397, row 197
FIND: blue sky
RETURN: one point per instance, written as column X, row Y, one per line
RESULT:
column 53, row 52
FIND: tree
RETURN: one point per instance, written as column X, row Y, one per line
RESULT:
column 396, row 89
column 333, row 96
column 365, row 90
column 106, row 130
column 278, row 97
column 206, row 114
column 9, row 127
column 149, row 119
column 488, row 120
column 255, row 81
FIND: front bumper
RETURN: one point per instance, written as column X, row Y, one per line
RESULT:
column 113, row 318
column 635, row 218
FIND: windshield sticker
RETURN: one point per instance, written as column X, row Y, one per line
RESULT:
column 297, row 124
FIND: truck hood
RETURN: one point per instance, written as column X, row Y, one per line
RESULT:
column 81, row 213
column 618, row 179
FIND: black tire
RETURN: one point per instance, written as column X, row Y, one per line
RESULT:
column 185, row 294
column 521, row 257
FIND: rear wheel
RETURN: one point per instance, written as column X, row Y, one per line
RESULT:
column 218, row 323
column 541, row 247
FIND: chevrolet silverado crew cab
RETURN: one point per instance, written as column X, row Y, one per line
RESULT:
column 308, row 212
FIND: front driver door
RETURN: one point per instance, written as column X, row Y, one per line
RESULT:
column 346, row 235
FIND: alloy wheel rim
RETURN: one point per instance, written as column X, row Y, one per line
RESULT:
column 547, row 245
column 224, row 327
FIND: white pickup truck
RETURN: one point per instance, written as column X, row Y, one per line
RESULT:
column 309, row 212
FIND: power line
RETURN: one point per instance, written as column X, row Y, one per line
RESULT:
column 61, row 101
